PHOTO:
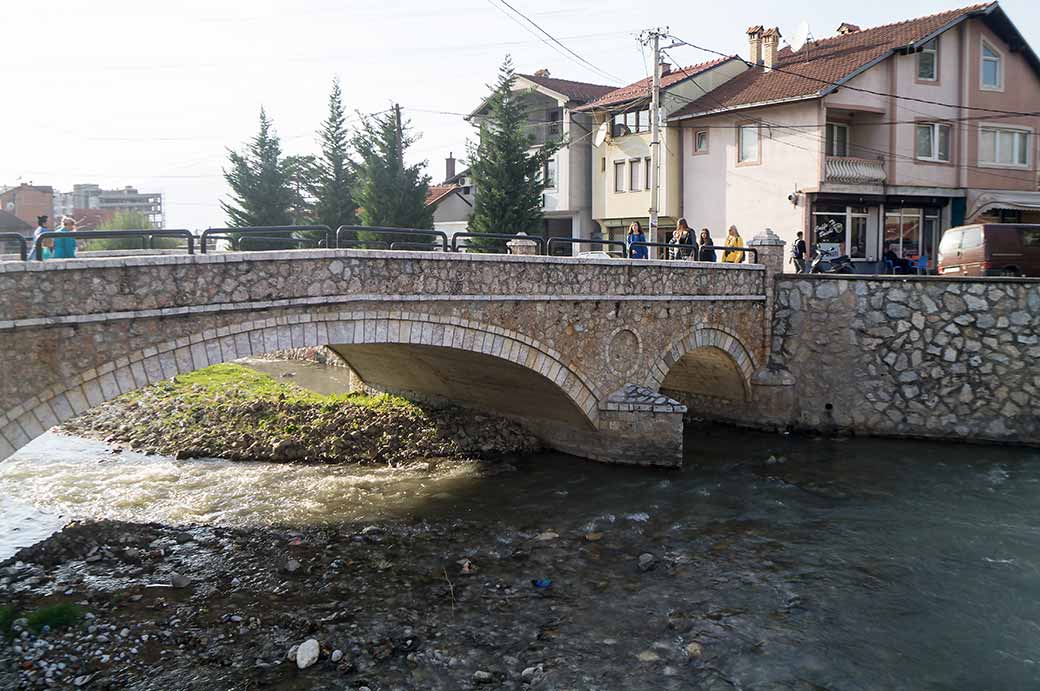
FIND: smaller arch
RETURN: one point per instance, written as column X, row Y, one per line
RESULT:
column 703, row 337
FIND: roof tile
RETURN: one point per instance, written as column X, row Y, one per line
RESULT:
column 641, row 89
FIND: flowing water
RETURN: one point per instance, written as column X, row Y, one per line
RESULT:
column 915, row 564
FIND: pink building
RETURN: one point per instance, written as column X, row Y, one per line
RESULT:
column 872, row 138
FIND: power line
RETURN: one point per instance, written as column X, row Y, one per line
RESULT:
column 847, row 86
column 557, row 42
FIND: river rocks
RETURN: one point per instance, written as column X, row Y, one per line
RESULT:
column 646, row 561
column 336, row 655
column 307, row 654
column 179, row 581
column 252, row 423
column 482, row 677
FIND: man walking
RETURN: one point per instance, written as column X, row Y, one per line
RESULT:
column 798, row 253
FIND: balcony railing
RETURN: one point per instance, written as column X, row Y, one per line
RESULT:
column 855, row 171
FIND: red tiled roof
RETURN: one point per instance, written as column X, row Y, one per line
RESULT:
column 438, row 192
column 576, row 91
column 641, row 89
column 812, row 70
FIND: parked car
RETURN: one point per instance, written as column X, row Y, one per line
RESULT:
column 990, row 249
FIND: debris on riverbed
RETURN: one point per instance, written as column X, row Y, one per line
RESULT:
column 229, row 411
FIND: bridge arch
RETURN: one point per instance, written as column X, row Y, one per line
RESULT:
column 343, row 331
column 707, row 363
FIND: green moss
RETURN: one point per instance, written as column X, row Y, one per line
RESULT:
column 7, row 617
column 55, row 616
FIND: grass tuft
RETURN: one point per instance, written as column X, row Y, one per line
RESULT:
column 55, row 616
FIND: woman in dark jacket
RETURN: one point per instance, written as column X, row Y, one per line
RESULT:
column 705, row 255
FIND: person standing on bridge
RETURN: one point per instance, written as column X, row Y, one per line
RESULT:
column 733, row 239
column 635, row 234
column 705, row 253
column 46, row 245
column 65, row 248
column 683, row 237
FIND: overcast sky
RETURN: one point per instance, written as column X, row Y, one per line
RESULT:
column 144, row 93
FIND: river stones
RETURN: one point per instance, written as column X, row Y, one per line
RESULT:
column 307, row 653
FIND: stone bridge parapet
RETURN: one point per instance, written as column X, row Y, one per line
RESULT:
column 546, row 339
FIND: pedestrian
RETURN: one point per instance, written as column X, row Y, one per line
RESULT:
column 46, row 245
column 673, row 246
column 65, row 248
column 635, row 234
column 686, row 240
column 733, row 239
column 705, row 253
column 798, row 253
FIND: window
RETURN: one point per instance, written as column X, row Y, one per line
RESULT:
column 747, row 144
column 633, row 175
column 928, row 61
column 630, row 123
column 555, row 120
column 700, row 141
column 911, row 233
column 619, row 176
column 933, row 142
column 991, row 70
column 603, row 164
column 549, row 173
column 972, row 238
column 648, row 166
column 837, row 139
column 1003, row 147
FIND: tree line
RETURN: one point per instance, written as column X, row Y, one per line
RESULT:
column 360, row 176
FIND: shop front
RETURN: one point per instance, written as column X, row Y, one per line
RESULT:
column 868, row 229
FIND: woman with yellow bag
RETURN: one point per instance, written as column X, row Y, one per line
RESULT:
column 733, row 239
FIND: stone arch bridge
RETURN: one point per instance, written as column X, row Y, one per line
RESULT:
column 599, row 357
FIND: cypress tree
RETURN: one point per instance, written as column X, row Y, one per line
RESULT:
column 334, row 201
column 506, row 174
column 388, row 192
column 261, row 194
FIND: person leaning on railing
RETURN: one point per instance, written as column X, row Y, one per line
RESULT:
column 733, row 239
column 65, row 248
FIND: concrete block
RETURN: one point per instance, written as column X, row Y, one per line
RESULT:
column 92, row 390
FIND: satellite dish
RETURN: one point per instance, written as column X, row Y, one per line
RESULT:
column 601, row 133
column 801, row 35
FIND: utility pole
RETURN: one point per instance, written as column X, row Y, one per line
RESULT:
column 654, row 36
column 400, row 135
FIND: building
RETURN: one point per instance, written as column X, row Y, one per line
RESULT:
column 553, row 111
column 452, row 199
column 621, row 172
column 28, row 201
column 9, row 223
column 871, row 138
column 90, row 196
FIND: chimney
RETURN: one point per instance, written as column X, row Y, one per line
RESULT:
column 770, row 44
column 542, row 73
column 449, row 166
column 665, row 68
column 847, row 28
column 755, row 45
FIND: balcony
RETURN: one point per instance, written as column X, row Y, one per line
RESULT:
column 854, row 171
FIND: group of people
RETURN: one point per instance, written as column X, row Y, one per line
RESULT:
column 683, row 245
column 55, row 248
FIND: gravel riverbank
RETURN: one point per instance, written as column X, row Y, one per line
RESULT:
column 230, row 411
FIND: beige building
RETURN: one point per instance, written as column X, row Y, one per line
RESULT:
column 621, row 167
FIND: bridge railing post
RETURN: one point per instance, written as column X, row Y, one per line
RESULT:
column 772, row 385
column 522, row 245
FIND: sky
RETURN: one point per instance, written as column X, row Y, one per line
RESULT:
column 152, row 94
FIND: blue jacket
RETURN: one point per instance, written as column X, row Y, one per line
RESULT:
column 64, row 248
column 637, row 252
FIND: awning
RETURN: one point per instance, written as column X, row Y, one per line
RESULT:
column 981, row 201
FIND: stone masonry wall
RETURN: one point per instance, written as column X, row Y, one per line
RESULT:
column 929, row 356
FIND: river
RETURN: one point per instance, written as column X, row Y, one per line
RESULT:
column 860, row 563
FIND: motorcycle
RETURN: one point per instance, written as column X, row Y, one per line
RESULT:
column 824, row 262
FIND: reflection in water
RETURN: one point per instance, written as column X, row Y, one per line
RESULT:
column 914, row 564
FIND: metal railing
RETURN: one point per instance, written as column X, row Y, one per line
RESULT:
column 415, row 246
column 583, row 241
column 695, row 249
column 19, row 239
column 243, row 242
column 268, row 233
column 496, row 236
column 146, row 237
column 384, row 231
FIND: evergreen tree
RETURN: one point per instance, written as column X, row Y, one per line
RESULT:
column 302, row 173
column 506, row 175
column 388, row 192
column 334, row 204
column 260, row 191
